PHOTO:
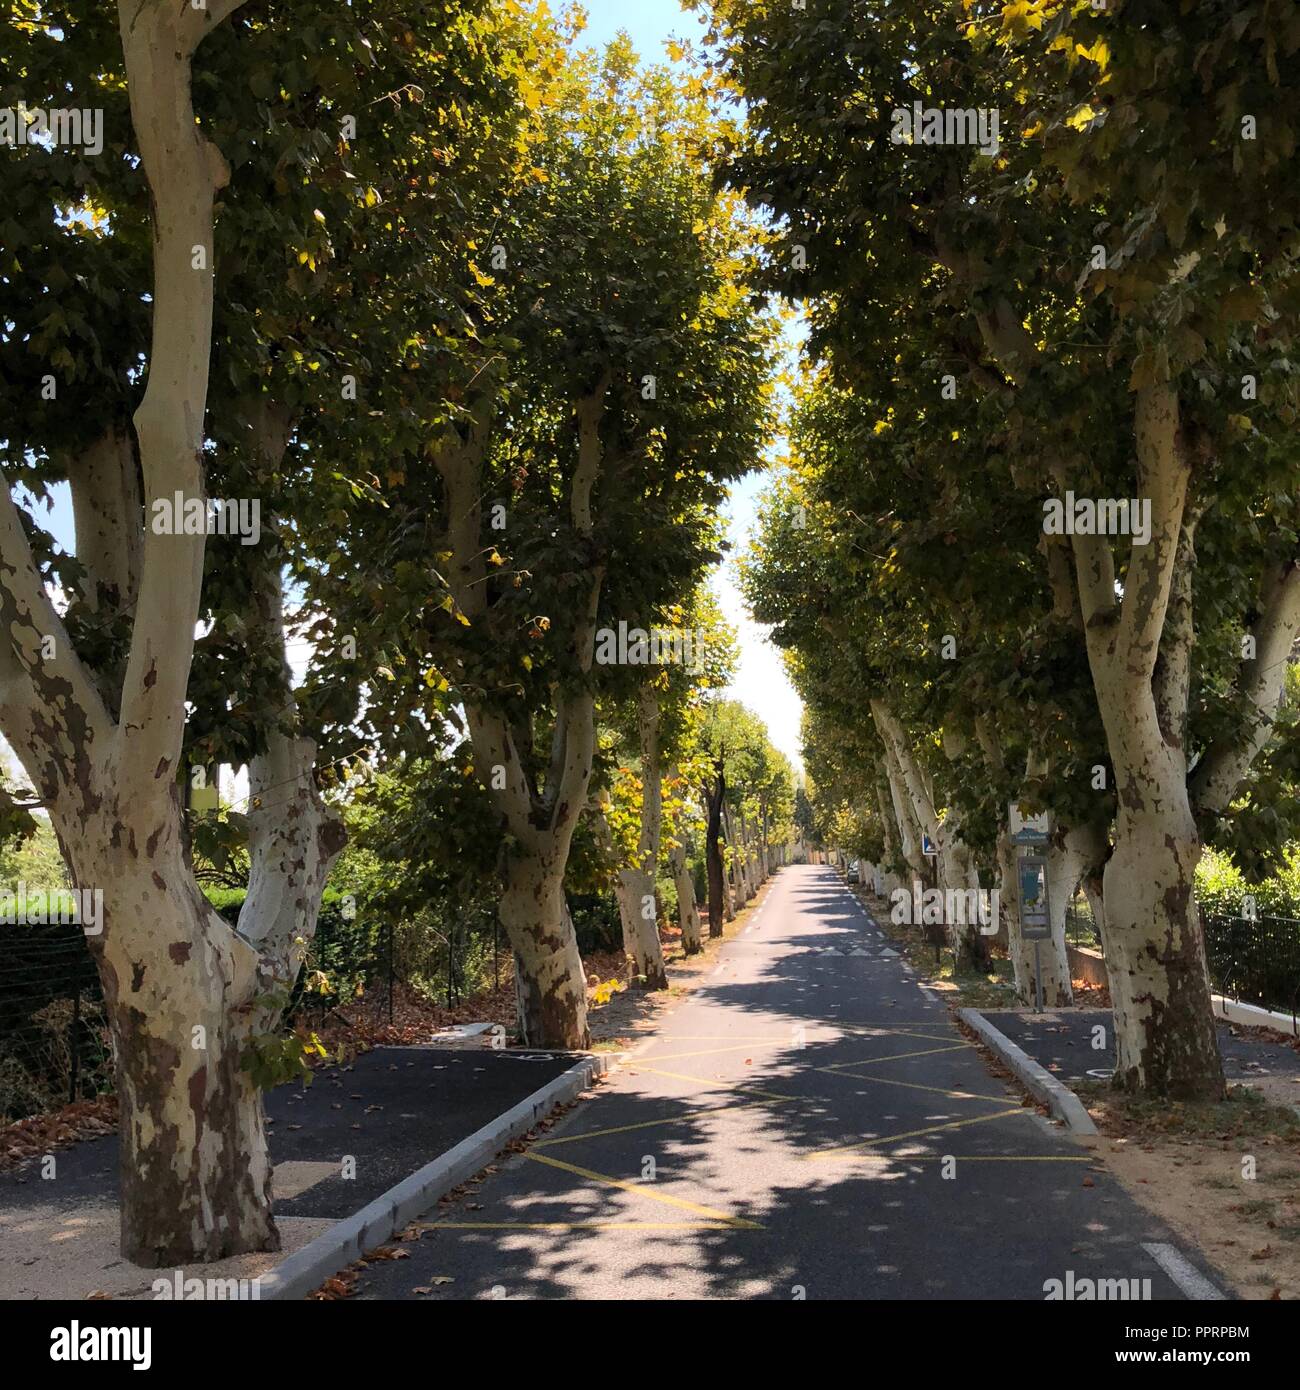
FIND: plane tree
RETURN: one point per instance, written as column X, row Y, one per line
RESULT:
column 194, row 1003
column 99, row 724
column 1117, row 294
column 539, row 485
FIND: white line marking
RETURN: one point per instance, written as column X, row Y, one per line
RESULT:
column 1188, row 1278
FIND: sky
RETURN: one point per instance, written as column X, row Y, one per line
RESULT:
column 761, row 682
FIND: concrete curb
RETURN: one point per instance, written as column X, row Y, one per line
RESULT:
column 349, row 1239
column 1063, row 1103
column 1253, row 1016
column 464, row 1035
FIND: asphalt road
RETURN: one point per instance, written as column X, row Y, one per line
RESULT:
column 808, row 1124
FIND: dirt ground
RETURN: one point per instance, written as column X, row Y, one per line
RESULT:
column 1225, row 1177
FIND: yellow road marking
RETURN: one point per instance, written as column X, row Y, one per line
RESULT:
column 977, row 1158
column 912, row 1086
column 837, row 1028
column 909, row 1031
column 700, row 1110
column 719, row 1085
column 580, row 1225
column 706, row 1052
column 873, row 1061
column 642, row 1191
column 851, row 1149
column 725, row 1037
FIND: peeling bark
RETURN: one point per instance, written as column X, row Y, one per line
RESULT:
column 718, row 903
column 636, row 885
column 552, row 985
column 293, row 837
column 539, row 821
column 1165, row 1033
column 182, row 993
column 103, row 748
column 688, row 916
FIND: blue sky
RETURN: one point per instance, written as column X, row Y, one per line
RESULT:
column 648, row 22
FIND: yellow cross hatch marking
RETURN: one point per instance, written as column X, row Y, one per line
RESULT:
column 642, row 1191
column 705, row 1052
column 701, row 1111
column 912, row 1086
column 902, row 1056
column 977, row 1158
column 718, row 1085
column 852, row 1150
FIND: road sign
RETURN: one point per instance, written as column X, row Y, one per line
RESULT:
column 1035, row 914
column 927, row 845
column 1027, row 829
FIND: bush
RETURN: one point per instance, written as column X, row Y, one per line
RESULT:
column 1220, row 887
column 596, row 921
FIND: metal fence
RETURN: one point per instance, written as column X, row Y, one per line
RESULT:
column 1080, row 929
column 1251, row 960
column 1255, row 961
column 54, row 1045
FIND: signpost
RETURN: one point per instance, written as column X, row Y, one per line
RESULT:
column 1035, row 913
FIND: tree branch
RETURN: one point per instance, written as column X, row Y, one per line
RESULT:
column 1224, row 765
column 1163, row 474
column 48, row 704
column 184, row 171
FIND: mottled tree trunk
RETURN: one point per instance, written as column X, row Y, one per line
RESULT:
column 184, row 995
column 970, row 946
column 738, row 888
column 552, row 985
column 635, row 894
column 1139, row 652
column 718, row 904
column 687, row 913
column 636, row 886
column 1165, row 1035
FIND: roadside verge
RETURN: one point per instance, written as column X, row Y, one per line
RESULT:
column 349, row 1239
